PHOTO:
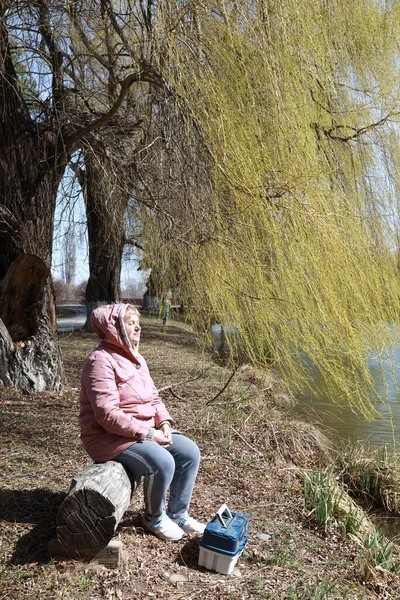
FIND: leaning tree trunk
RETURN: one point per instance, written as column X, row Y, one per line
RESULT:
column 105, row 213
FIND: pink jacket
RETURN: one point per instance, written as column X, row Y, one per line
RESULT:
column 119, row 401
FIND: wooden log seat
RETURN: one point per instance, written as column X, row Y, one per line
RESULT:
column 97, row 499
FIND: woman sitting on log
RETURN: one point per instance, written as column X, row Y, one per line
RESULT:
column 122, row 418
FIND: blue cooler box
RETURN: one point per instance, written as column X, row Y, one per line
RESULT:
column 223, row 541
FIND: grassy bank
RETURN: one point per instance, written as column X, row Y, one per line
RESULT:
column 254, row 457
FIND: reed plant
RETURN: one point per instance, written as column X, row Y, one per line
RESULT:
column 333, row 508
column 317, row 591
column 378, row 555
column 331, row 505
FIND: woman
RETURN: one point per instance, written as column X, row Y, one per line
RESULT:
column 122, row 418
column 165, row 308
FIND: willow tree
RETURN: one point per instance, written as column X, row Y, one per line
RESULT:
column 104, row 156
column 173, row 199
column 297, row 105
column 52, row 98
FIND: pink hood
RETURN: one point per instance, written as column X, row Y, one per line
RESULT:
column 108, row 322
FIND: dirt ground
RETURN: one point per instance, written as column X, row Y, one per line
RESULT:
column 253, row 457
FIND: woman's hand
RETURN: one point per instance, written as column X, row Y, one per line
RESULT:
column 163, row 436
column 166, row 429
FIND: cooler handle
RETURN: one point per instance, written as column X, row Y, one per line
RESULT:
column 221, row 511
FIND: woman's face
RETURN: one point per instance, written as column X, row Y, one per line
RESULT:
column 132, row 329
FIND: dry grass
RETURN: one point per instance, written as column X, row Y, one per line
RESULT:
column 372, row 474
column 252, row 460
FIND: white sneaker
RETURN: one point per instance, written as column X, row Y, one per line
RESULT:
column 191, row 526
column 165, row 528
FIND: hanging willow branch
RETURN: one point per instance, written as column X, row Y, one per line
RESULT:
column 267, row 201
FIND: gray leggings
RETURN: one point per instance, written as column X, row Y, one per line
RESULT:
column 175, row 467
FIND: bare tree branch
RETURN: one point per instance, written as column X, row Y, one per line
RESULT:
column 357, row 132
column 56, row 55
column 147, row 75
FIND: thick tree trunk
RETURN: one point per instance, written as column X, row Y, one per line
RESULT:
column 32, row 162
column 26, row 230
column 37, row 138
column 105, row 213
column 151, row 300
column 89, row 515
column 29, row 352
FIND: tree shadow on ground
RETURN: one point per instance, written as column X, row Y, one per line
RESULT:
column 37, row 507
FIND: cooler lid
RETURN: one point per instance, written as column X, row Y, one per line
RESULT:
column 226, row 532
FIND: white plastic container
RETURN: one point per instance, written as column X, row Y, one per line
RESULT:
column 215, row 561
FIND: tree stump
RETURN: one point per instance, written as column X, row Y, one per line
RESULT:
column 97, row 499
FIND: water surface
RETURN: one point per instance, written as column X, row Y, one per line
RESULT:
column 343, row 423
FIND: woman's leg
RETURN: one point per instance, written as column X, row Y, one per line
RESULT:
column 157, row 466
column 187, row 459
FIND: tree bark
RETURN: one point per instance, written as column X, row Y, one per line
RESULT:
column 105, row 213
column 32, row 163
column 29, row 352
column 98, row 497
column 26, row 229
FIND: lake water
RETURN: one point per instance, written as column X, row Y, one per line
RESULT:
column 341, row 422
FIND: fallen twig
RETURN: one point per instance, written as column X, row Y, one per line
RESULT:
column 246, row 442
column 276, row 441
column 175, row 395
column 34, row 404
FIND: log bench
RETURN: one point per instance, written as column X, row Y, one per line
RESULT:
column 89, row 515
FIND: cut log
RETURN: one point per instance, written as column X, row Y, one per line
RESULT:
column 97, row 499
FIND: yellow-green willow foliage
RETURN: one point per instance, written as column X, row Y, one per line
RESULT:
column 297, row 102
